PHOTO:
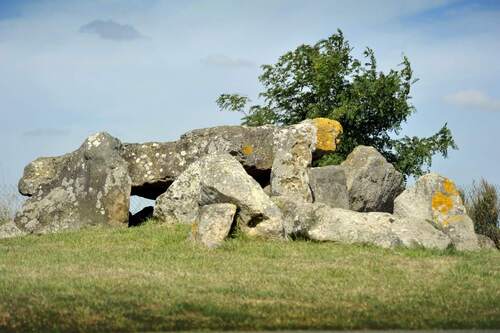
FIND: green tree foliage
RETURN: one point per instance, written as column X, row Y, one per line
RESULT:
column 325, row 80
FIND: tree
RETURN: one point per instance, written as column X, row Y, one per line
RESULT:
column 325, row 80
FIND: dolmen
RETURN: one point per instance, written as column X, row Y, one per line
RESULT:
column 258, row 180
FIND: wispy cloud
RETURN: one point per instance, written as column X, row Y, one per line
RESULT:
column 473, row 100
column 220, row 60
column 111, row 30
column 46, row 132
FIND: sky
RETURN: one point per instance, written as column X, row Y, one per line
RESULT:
column 150, row 70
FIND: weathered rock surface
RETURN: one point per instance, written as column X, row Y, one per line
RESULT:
column 320, row 222
column 294, row 153
column 213, row 224
column 317, row 221
column 327, row 132
column 436, row 199
column 220, row 179
column 90, row 186
column 414, row 232
column 154, row 166
column 292, row 158
column 485, row 242
column 328, row 185
column 9, row 230
column 372, row 182
column 40, row 172
column 180, row 203
column 267, row 190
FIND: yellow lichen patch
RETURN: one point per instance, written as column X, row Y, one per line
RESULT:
column 442, row 202
column 449, row 187
column 456, row 218
column 247, row 150
column 327, row 134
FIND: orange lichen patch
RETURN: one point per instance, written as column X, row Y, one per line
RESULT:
column 327, row 134
column 449, row 187
column 442, row 202
column 247, row 150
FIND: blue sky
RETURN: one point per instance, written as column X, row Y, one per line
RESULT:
column 147, row 70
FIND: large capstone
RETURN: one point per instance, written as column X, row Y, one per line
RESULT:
column 436, row 199
column 153, row 166
column 90, row 186
column 220, row 178
column 372, row 182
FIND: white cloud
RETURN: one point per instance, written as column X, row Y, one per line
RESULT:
column 221, row 60
column 473, row 100
column 111, row 30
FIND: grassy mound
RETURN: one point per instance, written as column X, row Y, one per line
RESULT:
column 151, row 278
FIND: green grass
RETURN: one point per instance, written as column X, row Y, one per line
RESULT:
column 150, row 278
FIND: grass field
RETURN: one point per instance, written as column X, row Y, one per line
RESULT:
column 150, row 278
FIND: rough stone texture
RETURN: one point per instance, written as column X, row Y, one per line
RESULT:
column 485, row 242
column 345, row 226
column 213, row 224
column 9, row 230
column 372, row 182
column 295, row 146
column 154, row 166
column 180, row 203
column 41, row 171
column 298, row 216
column 320, row 222
column 267, row 190
column 436, row 199
column 317, row 221
column 292, row 158
column 328, row 186
column 215, row 179
column 327, row 134
column 419, row 233
column 91, row 186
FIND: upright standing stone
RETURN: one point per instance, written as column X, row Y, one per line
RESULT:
column 436, row 199
column 292, row 159
column 294, row 153
column 372, row 182
column 328, row 186
column 92, row 187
